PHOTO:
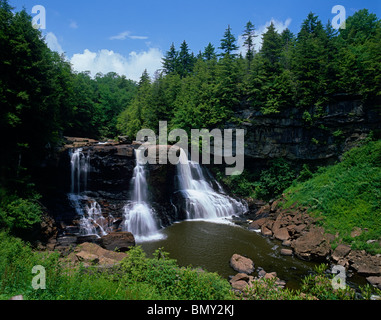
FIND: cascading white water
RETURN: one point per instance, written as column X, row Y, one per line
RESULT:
column 138, row 215
column 80, row 166
column 92, row 221
column 201, row 200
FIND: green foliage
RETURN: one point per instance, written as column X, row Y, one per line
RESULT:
column 320, row 286
column 141, row 278
column 266, row 289
column 346, row 195
column 275, row 179
column 242, row 185
column 304, row 71
column 20, row 214
column 167, row 280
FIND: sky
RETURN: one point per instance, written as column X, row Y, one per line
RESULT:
column 127, row 36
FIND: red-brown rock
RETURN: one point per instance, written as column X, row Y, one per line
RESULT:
column 242, row 264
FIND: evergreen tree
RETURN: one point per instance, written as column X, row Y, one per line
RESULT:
column 228, row 44
column 248, row 36
column 185, row 61
column 271, row 50
column 309, row 63
column 287, row 44
column 209, row 53
column 170, row 61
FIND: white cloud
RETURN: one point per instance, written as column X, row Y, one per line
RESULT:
column 127, row 34
column 105, row 61
column 279, row 27
column 73, row 25
column 52, row 42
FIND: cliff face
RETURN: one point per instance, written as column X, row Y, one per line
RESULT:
column 295, row 135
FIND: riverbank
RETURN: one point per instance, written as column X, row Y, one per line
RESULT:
column 302, row 236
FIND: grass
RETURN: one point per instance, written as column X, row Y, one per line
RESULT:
column 345, row 196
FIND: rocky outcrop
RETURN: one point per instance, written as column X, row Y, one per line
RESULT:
column 302, row 237
column 312, row 245
column 120, row 241
column 90, row 254
column 291, row 134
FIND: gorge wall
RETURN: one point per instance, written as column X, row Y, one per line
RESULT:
column 293, row 134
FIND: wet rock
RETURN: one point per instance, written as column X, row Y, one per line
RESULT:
column 374, row 281
column 281, row 234
column 286, row 252
column 257, row 224
column 241, row 264
column 121, row 241
column 266, row 231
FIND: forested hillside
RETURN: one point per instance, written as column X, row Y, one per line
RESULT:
column 303, row 70
column 43, row 99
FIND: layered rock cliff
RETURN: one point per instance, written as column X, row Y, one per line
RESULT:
column 296, row 134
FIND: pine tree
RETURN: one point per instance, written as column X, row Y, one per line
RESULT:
column 309, row 63
column 248, row 36
column 271, row 50
column 170, row 61
column 185, row 60
column 209, row 53
column 287, row 44
column 228, row 44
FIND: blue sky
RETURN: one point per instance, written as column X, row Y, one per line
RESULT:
column 129, row 36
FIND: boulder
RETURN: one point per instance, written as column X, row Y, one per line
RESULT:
column 91, row 253
column 240, row 276
column 266, row 231
column 375, row 281
column 286, row 252
column 281, row 234
column 239, row 285
column 341, row 251
column 121, row 241
column 257, row 224
column 241, row 264
column 87, row 257
column 364, row 263
column 312, row 245
column 124, row 140
column 270, row 275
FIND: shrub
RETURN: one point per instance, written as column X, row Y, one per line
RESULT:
column 166, row 279
column 275, row 179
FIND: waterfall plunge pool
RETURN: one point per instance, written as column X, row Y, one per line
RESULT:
column 211, row 244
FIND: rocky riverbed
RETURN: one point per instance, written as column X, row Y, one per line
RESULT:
column 301, row 236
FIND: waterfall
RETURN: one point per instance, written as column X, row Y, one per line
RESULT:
column 138, row 215
column 199, row 199
column 80, row 166
column 92, row 221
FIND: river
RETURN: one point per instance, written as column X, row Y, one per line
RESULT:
column 210, row 245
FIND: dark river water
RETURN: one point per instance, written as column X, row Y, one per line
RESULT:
column 210, row 246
